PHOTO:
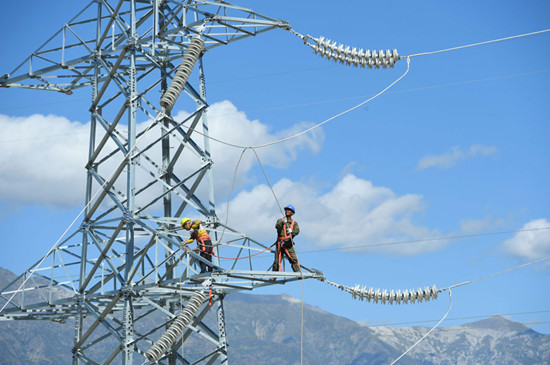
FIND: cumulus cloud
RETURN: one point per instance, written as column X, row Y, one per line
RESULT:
column 532, row 242
column 42, row 158
column 228, row 124
column 353, row 214
column 456, row 154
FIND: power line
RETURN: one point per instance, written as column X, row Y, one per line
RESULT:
column 480, row 43
column 424, row 240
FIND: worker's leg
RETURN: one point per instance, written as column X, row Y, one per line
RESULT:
column 293, row 258
column 202, row 264
column 209, row 250
column 277, row 260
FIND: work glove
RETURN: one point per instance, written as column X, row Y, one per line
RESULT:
column 288, row 230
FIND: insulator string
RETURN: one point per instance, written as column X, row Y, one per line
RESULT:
column 185, row 68
column 177, row 327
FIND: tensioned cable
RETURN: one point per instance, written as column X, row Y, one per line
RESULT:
column 479, row 43
column 79, row 214
column 425, row 240
column 500, row 272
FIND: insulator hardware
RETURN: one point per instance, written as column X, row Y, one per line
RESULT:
column 353, row 56
column 391, row 297
column 182, row 74
column 176, row 328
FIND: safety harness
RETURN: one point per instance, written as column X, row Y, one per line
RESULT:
column 281, row 247
column 202, row 236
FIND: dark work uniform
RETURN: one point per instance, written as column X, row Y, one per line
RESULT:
column 285, row 243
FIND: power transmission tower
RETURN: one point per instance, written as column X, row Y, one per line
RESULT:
column 122, row 273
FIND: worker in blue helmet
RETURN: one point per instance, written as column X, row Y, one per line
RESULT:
column 287, row 228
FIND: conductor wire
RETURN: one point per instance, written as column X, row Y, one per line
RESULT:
column 499, row 273
column 479, row 43
column 430, row 331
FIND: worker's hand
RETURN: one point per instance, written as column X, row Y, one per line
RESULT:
column 288, row 230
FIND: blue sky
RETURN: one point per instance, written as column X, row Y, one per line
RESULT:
column 456, row 150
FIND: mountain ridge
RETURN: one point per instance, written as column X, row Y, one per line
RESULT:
column 266, row 329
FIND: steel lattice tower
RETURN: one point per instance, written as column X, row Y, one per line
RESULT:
column 122, row 273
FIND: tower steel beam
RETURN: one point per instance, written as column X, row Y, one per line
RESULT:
column 124, row 273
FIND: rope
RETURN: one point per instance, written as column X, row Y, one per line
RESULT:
column 79, row 214
column 268, row 182
column 237, row 258
column 302, row 327
column 479, row 44
column 230, row 191
column 180, row 274
column 430, row 331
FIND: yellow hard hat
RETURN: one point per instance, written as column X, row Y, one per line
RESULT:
column 185, row 220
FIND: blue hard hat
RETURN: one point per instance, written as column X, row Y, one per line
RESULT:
column 291, row 207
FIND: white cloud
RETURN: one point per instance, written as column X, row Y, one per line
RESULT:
column 449, row 159
column 42, row 158
column 228, row 124
column 531, row 243
column 354, row 213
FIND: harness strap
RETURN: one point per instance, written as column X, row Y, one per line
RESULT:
column 290, row 257
column 285, row 233
column 202, row 245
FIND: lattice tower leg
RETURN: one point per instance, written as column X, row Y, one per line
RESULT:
column 222, row 343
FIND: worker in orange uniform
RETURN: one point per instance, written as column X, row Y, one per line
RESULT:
column 204, row 243
column 287, row 228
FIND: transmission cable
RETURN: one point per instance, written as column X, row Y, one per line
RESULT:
column 479, row 43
